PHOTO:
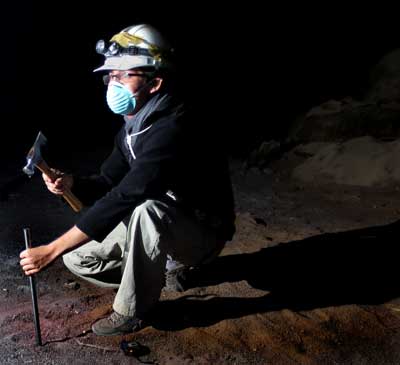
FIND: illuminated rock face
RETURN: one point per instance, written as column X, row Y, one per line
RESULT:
column 362, row 161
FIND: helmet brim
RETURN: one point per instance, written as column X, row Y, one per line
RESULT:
column 126, row 62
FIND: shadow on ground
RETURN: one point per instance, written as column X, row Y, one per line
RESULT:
column 352, row 267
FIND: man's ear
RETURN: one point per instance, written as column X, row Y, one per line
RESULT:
column 156, row 84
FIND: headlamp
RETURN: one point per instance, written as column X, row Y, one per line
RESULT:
column 100, row 46
column 114, row 49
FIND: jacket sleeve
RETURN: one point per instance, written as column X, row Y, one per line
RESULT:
column 91, row 188
column 147, row 177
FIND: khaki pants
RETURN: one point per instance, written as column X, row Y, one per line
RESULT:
column 133, row 256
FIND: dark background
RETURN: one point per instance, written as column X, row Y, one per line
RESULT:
column 246, row 69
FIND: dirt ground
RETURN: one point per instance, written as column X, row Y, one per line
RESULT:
column 311, row 277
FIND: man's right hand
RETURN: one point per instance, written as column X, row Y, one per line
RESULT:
column 59, row 185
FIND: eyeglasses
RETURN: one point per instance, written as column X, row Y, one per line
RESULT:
column 124, row 77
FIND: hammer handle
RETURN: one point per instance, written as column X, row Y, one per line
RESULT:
column 71, row 199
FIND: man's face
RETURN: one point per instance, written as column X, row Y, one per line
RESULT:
column 134, row 81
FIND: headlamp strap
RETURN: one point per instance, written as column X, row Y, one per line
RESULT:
column 126, row 40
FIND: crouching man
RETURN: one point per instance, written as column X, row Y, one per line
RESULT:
column 163, row 198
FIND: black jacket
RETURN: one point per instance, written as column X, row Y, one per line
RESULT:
column 168, row 153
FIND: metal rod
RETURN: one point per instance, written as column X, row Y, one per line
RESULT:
column 28, row 244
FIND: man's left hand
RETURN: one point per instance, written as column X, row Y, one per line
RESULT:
column 37, row 258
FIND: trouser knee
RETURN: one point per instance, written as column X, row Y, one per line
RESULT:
column 69, row 262
column 147, row 224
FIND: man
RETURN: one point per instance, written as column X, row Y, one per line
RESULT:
column 163, row 198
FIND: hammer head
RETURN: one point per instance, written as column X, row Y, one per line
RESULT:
column 35, row 154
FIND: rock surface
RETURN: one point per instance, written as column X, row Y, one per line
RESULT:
column 310, row 278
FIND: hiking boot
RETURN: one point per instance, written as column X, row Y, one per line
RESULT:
column 117, row 324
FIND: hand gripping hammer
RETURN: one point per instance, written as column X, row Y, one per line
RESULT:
column 34, row 158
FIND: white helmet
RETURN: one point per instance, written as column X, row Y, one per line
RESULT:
column 135, row 46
